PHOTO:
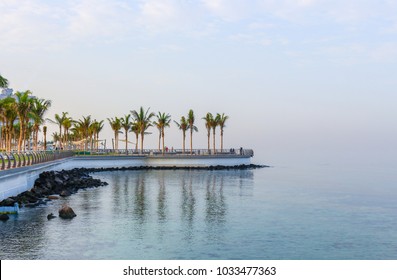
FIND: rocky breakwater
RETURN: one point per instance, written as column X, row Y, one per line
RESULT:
column 51, row 184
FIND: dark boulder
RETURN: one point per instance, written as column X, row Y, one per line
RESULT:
column 66, row 212
column 4, row 217
column 58, row 180
column 65, row 193
column 51, row 216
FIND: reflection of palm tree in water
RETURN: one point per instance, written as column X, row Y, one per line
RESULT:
column 139, row 198
column 161, row 199
column 216, row 205
column 188, row 201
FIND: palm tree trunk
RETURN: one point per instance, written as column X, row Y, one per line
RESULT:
column 191, row 141
column 126, row 142
column 159, row 139
column 115, row 138
column 36, row 136
column 20, row 140
column 136, row 142
column 142, row 135
column 208, row 136
column 213, row 140
column 221, row 139
column 67, row 138
column 162, row 134
column 184, row 140
column 60, row 136
column 45, row 137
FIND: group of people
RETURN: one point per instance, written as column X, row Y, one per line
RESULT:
column 233, row 151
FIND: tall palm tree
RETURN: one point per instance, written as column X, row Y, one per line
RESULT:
column 67, row 124
column 85, row 124
column 58, row 120
column 96, row 127
column 3, row 82
column 39, row 108
column 8, row 114
column 126, row 125
column 192, row 127
column 115, row 124
column 23, row 105
column 221, row 121
column 163, row 121
column 214, row 123
column 2, row 123
column 142, row 119
column 183, row 125
column 208, row 119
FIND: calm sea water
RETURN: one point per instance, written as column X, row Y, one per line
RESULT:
column 321, row 212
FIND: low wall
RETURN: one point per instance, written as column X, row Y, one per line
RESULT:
column 18, row 180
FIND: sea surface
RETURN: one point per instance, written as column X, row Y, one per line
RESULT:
column 283, row 212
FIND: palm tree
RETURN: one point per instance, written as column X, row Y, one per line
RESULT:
column 3, row 82
column 115, row 124
column 84, row 125
column 163, row 121
column 67, row 124
column 23, row 104
column 39, row 108
column 77, row 135
column 96, row 127
column 59, row 119
column 208, row 119
column 214, row 123
column 190, row 120
column 126, row 124
column 221, row 121
column 183, row 125
column 142, row 119
column 2, row 123
column 8, row 114
column 55, row 137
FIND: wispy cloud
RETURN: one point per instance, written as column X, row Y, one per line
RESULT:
column 33, row 24
column 98, row 18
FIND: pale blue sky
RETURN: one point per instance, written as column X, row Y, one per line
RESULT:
column 304, row 80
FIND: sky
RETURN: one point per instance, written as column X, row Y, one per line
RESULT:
column 302, row 81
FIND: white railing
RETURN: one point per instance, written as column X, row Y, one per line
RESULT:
column 15, row 160
column 168, row 152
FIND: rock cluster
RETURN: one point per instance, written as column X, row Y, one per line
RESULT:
column 211, row 167
column 52, row 184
